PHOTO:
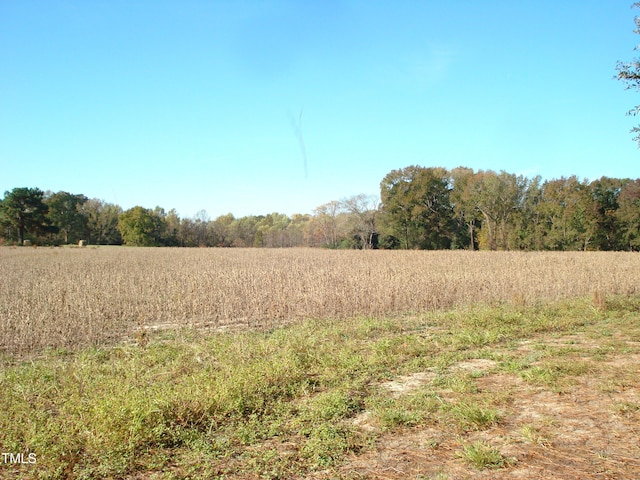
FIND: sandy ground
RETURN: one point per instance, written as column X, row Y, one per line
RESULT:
column 589, row 429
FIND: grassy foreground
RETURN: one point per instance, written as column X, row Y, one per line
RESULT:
column 319, row 398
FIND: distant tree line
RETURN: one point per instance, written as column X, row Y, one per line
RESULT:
column 430, row 208
column 418, row 208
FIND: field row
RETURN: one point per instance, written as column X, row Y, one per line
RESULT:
column 66, row 297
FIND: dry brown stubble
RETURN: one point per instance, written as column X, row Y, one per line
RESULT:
column 64, row 297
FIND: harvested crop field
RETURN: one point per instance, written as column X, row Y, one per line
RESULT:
column 314, row 364
column 67, row 297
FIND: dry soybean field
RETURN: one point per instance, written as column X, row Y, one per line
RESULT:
column 69, row 297
column 315, row 364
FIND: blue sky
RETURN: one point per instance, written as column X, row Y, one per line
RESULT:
column 251, row 107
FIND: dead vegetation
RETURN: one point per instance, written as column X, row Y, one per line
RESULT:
column 518, row 389
column 57, row 297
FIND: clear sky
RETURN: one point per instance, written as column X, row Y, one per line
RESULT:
column 251, row 107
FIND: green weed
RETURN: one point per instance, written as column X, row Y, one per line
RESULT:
column 469, row 416
column 280, row 403
column 481, row 456
column 533, row 435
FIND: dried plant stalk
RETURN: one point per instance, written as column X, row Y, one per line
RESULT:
column 64, row 297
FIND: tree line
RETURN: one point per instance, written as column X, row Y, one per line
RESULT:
column 418, row 208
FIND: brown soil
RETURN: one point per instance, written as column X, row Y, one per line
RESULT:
column 589, row 428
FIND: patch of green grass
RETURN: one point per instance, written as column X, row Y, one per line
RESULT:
column 541, row 375
column 477, row 337
column 405, row 411
column 280, row 403
column 482, row 455
column 326, row 444
column 332, row 405
column 459, row 382
column 391, row 417
column 99, row 412
column 555, row 373
column 471, row 416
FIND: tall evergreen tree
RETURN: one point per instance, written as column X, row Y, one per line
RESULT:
column 23, row 210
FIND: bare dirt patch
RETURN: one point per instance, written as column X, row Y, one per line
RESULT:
column 409, row 383
column 588, row 429
column 475, row 365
